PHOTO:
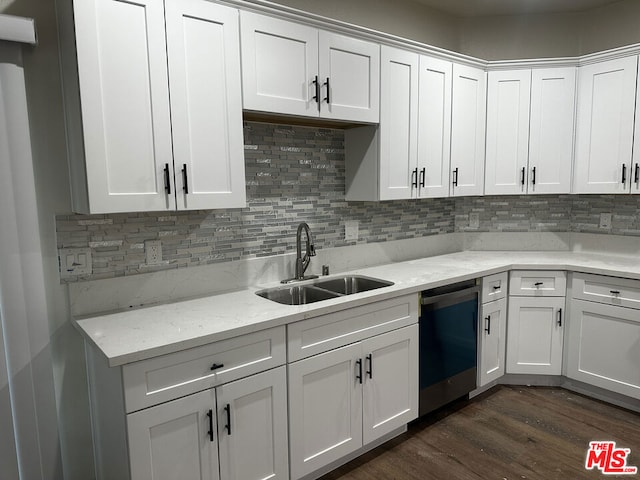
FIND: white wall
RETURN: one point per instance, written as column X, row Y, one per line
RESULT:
column 59, row 364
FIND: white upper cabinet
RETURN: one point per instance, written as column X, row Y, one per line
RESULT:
column 468, row 121
column 294, row 69
column 605, row 125
column 124, row 96
column 134, row 149
column 398, row 124
column 530, row 117
column 507, row 132
column 551, row 129
column 434, row 127
column 206, row 107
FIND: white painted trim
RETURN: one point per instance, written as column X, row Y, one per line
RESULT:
column 18, row 29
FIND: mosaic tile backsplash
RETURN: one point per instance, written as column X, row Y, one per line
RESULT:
column 296, row 174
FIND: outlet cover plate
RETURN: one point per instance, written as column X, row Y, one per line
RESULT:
column 474, row 220
column 351, row 230
column 75, row 261
column 153, row 252
column 605, row 220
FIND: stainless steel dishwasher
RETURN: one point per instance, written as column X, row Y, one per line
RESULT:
column 448, row 344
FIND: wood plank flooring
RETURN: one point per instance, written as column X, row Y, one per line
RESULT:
column 504, row 434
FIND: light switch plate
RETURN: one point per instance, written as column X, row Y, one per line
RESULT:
column 75, row 261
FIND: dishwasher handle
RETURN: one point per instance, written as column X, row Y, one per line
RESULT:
column 452, row 297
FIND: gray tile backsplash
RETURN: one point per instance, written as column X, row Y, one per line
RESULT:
column 293, row 174
column 296, row 174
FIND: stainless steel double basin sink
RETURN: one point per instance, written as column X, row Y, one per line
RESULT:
column 322, row 289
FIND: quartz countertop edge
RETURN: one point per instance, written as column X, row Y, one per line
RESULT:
column 146, row 332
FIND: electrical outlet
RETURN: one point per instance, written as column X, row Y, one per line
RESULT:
column 474, row 220
column 605, row 220
column 75, row 261
column 153, row 252
column 351, row 230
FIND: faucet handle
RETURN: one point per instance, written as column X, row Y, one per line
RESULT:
column 312, row 250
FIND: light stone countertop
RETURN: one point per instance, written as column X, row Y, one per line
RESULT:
column 138, row 334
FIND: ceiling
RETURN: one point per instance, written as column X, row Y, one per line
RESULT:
column 478, row 8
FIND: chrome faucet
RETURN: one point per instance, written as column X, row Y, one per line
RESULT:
column 302, row 262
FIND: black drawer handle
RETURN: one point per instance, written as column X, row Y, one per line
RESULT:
column 370, row 362
column 497, row 287
column 227, row 427
column 359, row 374
column 210, row 432
column 488, row 327
column 615, row 292
column 559, row 317
column 538, row 284
column 217, row 366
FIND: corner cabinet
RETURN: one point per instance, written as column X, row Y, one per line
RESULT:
column 296, row 69
column 535, row 326
column 154, row 109
column 605, row 128
column 492, row 339
column 530, row 119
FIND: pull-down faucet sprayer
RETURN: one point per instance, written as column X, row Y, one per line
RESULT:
column 302, row 262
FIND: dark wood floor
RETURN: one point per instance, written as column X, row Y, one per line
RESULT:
column 507, row 433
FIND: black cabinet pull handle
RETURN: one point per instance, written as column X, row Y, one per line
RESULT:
column 522, row 176
column 423, row 174
column 185, row 185
column 488, row 327
column 624, row 173
column 414, row 178
column 537, row 284
column 227, row 427
column 359, row 374
column 210, row 432
column 455, row 177
column 615, row 292
column 167, row 181
column 637, row 174
column 217, row 366
column 316, row 83
column 327, row 98
column 370, row 370
column 533, row 176
column 559, row 317
column 496, row 287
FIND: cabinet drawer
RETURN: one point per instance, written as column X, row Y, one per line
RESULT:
column 494, row 287
column 610, row 290
column 538, row 283
column 164, row 378
column 326, row 332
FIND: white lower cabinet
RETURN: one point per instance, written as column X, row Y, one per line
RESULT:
column 534, row 335
column 345, row 398
column 236, row 431
column 493, row 330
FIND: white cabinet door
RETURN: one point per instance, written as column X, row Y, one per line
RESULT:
column 252, row 420
column 279, row 65
column 325, row 409
column 468, row 121
column 206, row 104
column 553, row 93
column 398, row 124
column 604, row 135
column 350, row 78
column 434, row 127
column 508, row 100
column 124, row 93
column 390, row 393
column 534, row 335
column 493, row 330
column 173, row 440
column 604, row 347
